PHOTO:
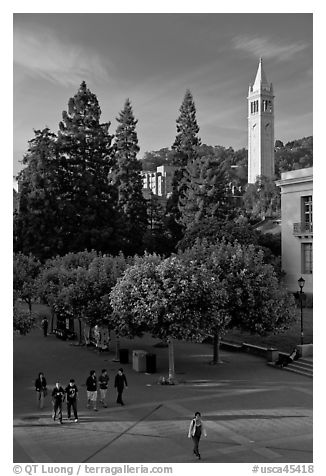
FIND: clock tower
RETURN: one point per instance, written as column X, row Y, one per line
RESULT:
column 260, row 127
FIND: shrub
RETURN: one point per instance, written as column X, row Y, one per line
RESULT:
column 23, row 321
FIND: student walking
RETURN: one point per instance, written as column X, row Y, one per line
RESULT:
column 41, row 390
column 58, row 396
column 91, row 387
column 72, row 391
column 119, row 383
column 103, row 384
column 45, row 325
column 196, row 429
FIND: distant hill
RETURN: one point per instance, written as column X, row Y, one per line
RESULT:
column 297, row 154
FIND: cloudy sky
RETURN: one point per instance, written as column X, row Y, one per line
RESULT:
column 152, row 59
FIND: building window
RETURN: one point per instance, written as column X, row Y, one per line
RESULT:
column 266, row 105
column 306, row 249
column 254, row 106
column 307, row 213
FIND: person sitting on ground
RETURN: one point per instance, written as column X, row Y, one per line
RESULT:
column 285, row 360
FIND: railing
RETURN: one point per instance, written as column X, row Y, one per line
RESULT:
column 302, row 229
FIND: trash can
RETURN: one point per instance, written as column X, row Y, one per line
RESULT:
column 124, row 356
column 272, row 354
column 151, row 363
column 139, row 360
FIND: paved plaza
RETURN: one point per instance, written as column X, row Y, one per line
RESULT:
column 253, row 413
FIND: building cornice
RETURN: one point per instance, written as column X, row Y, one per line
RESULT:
column 294, row 180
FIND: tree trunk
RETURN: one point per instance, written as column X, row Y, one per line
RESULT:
column 171, row 361
column 80, row 331
column 216, row 349
column 117, row 348
column 52, row 319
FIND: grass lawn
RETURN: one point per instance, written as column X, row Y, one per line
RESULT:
column 283, row 342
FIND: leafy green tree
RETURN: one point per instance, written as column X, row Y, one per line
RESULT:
column 256, row 301
column 53, row 278
column 126, row 178
column 37, row 223
column 169, row 298
column 70, row 261
column 262, row 199
column 212, row 230
column 103, row 273
column 155, row 158
column 240, row 230
column 23, row 321
column 297, row 154
column 86, row 201
column 77, row 286
column 26, row 269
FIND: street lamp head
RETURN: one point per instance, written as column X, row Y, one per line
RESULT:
column 301, row 282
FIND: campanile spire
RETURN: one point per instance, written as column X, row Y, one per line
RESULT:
column 260, row 127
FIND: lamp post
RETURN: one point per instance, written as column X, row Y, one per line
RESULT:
column 301, row 282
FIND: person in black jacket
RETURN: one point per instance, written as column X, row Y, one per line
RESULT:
column 72, row 391
column 119, row 383
column 58, row 396
column 41, row 390
column 91, row 387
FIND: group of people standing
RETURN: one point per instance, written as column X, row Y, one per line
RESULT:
column 93, row 384
column 102, row 383
column 70, row 392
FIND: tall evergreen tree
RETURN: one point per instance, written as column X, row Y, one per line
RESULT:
column 86, row 155
column 185, row 151
column 207, row 194
column 126, row 178
column 36, row 223
column 187, row 140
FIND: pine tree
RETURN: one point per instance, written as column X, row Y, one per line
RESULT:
column 185, row 149
column 126, row 178
column 86, row 155
column 36, row 223
column 156, row 238
column 187, row 140
column 207, row 194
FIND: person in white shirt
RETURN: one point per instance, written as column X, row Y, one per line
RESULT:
column 196, row 429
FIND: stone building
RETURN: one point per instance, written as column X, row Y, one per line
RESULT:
column 297, row 227
column 159, row 182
